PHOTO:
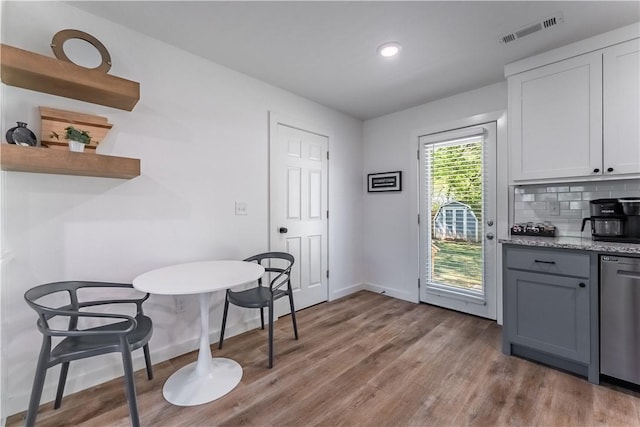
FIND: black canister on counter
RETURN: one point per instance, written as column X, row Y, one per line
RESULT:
column 631, row 208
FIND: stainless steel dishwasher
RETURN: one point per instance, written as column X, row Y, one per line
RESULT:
column 620, row 317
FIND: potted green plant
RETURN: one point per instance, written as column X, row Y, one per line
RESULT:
column 77, row 138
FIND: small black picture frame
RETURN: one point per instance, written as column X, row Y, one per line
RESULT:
column 385, row 181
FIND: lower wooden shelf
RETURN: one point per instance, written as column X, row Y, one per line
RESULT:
column 44, row 160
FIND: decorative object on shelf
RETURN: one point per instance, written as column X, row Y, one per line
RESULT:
column 77, row 138
column 59, row 39
column 387, row 181
column 542, row 229
column 21, row 135
column 55, row 122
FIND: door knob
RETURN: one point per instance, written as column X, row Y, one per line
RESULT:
column 283, row 230
column 596, row 170
column 489, row 236
column 490, row 222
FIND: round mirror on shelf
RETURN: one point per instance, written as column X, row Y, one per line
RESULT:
column 82, row 49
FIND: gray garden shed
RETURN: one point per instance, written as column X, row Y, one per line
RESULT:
column 456, row 221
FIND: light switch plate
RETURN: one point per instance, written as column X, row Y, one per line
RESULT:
column 241, row 208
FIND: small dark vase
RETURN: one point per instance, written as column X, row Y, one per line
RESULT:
column 21, row 135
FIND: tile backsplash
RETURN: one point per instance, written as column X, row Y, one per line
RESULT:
column 564, row 205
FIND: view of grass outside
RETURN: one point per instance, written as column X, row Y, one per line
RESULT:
column 458, row 264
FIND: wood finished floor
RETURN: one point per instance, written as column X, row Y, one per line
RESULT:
column 366, row 360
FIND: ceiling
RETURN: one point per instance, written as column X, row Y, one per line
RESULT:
column 326, row 51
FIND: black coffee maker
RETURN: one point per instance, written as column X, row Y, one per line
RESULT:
column 614, row 220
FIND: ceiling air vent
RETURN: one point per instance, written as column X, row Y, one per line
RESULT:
column 543, row 24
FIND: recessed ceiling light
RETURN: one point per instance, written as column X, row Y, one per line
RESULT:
column 389, row 49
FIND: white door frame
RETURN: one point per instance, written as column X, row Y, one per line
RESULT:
column 276, row 119
column 502, row 196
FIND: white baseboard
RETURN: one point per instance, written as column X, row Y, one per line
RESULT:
column 395, row 293
column 340, row 293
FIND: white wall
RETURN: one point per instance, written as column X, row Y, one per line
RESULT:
column 201, row 132
column 390, row 224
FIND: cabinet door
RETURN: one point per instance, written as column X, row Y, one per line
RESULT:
column 622, row 108
column 555, row 120
column 549, row 313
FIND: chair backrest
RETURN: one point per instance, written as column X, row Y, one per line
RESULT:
column 72, row 303
column 284, row 271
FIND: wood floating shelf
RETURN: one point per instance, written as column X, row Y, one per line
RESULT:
column 46, row 160
column 41, row 73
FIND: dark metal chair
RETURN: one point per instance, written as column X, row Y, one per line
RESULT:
column 123, row 334
column 262, row 296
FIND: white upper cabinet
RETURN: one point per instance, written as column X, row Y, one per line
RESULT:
column 621, row 78
column 577, row 118
column 555, row 120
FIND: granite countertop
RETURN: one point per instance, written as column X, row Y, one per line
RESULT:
column 573, row 243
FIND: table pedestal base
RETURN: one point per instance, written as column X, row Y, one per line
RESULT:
column 186, row 387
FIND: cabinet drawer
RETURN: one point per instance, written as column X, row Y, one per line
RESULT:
column 549, row 261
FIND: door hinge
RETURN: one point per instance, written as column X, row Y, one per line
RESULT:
column 418, row 219
column 327, row 155
column 418, row 154
column 327, row 214
column 327, row 274
column 418, row 283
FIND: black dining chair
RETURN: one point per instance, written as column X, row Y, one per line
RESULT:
column 262, row 296
column 123, row 333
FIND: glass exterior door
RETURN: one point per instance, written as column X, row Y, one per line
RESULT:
column 457, row 215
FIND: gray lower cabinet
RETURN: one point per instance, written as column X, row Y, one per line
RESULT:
column 547, row 307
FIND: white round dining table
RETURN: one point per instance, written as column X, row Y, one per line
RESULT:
column 209, row 378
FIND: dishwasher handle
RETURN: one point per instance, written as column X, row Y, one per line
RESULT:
column 629, row 274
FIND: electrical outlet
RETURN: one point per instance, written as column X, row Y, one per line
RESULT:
column 553, row 208
column 241, row 208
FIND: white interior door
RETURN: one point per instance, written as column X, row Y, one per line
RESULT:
column 298, row 208
column 457, row 219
